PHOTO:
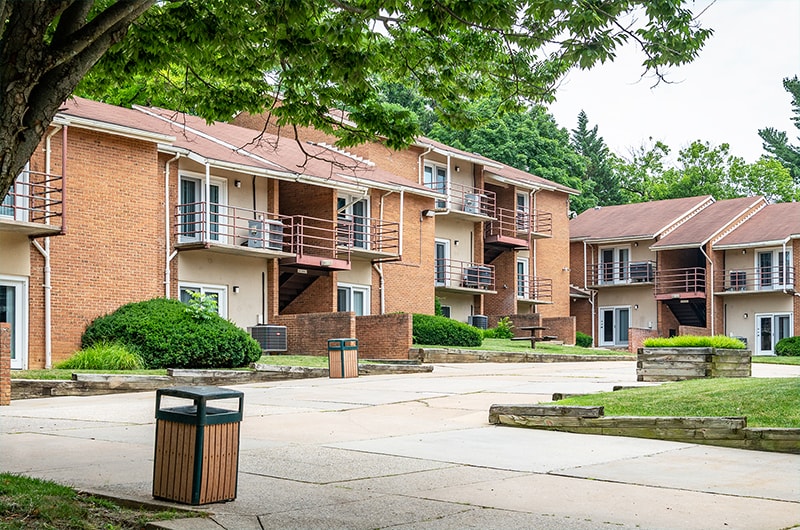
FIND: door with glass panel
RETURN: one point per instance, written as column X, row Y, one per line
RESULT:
column 13, row 308
column 191, row 226
column 770, row 328
column 614, row 324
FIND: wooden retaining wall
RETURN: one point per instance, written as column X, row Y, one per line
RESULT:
column 678, row 364
column 727, row 432
column 446, row 355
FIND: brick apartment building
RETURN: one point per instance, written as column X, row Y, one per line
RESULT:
column 122, row 205
column 687, row 266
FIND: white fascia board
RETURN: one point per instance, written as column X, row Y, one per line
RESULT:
column 395, row 187
column 460, row 156
column 231, row 166
column 615, row 240
column 111, row 128
column 757, row 244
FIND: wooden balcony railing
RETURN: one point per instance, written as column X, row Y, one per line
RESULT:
column 689, row 282
column 464, row 274
column 756, row 279
column 533, row 288
column 621, row 273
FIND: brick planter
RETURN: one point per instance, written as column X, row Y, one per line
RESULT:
column 678, row 364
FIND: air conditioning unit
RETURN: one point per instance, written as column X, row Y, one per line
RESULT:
column 479, row 321
column 479, row 277
column 472, row 203
column 738, row 281
column 265, row 231
column 641, row 271
column 271, row 338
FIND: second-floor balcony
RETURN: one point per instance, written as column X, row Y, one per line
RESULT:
column 464, row 276
column 684, row 283
column 755, row 280
column 513, row 227
column 621, row 273
column 34, row 206
column 534, row 289
column 465, row 201
column 369, row 237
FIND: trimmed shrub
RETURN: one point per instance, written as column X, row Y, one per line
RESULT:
column 443, row 331
column 788, row 346
column 583, row 340
column 170, row 334
column 104, row 356
column 694, row 341
column 503, row 330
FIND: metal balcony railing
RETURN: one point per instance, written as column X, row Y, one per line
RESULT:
column 756, row 279
column 203, row 222
column 464, row 274
column 533, row 288
column 689, row 281
column 621, row 273
column 516, row 224
column 34, row 197
column 466, row 199
column 369, row 234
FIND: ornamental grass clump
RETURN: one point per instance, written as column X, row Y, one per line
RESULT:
column 695, row 341
column 104, row 356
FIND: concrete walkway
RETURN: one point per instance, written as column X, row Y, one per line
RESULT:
column 417, row 452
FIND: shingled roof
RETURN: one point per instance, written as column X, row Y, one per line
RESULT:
column 645, row 220
column 774, row 224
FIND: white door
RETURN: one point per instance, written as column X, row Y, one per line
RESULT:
column 14, row 309
column 442, row 259
column 614, row 324
column 770, row 328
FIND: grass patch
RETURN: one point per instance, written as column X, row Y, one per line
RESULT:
column 507, row 345
column 104, row 356
column 766, row 402
column 65, row 374
column 769, row 359
column 29, row 503
column 693, row 341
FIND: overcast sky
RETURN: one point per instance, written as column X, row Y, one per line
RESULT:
column 729, row 92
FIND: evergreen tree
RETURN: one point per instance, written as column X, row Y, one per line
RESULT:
column 599, row 171
column 777, row 142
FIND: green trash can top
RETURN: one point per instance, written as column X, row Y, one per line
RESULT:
column 338, row 344
column 203, row 393
column 199, row 413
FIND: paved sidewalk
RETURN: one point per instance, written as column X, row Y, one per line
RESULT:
column 417, row 452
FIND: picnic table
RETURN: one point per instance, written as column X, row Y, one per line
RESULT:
column 537, row 335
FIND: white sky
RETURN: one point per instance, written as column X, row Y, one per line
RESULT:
column 729, row 92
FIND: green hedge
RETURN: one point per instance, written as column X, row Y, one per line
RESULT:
column 170, row 334
column 694, row 341
column 583, row 340
column 789, row 347
column 443, row 331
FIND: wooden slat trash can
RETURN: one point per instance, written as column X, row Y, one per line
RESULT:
column 342, row 358
column 197, row 446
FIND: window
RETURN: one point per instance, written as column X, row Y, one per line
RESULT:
column 523, row 213
column 193, row 203
column 218, row 292
column 773, row 269
column 442, row 261
column 614, row 265
column 16, row 206
column 522, row 278
column 353, row 298
column 356, row 212
column 436, row 179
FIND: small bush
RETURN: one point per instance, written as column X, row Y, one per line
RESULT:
column 694, row 341
column 443, row 331
column 104, row 356
column 437, row 307
column 503, row 330
column 170, row 334
column 583, row 340
column 789, row 347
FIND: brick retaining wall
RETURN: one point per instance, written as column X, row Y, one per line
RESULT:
column 384, row 336
column 308, row 333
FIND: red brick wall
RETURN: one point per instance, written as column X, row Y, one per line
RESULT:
column 113, row 252
column 561, row 327
column 552, row 255
column 694, row 330
column 505, row 301
column 384, row 336
column 518, row 321
column 308, row 334
column 582, row 311
column 5, row 363
column 637, row 336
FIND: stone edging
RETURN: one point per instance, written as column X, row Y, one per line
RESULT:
column 452, row 355
column 98, row 384
column 727, row 432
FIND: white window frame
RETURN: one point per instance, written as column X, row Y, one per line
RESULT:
column 774, row 335
column 220, row 290
column 346, row 213
column 432, row 182
column 351, row 288
column 521, row 294
column 620, row 271
column 19, row 204
column 774, row 279
column 523, row 211
column 615, row 332
column 20, row 325
column 200, row 181
column 441, row 243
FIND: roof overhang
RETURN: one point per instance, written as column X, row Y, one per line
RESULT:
column 111, row 128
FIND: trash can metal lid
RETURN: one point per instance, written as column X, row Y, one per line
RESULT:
column 201, row 392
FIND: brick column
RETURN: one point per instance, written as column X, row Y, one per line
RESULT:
column 5, row 363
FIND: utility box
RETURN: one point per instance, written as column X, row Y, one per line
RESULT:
column 269, row 337
column 343, row 358
column 197, row 446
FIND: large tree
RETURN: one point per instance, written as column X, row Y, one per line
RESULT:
column 217, row 57
column 599, row 171
column 776, row 142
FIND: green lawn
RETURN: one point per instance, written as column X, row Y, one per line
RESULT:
column 765, row 402
column 769, row 359
column 67, row 373
column 507, row 345
column 32, row 504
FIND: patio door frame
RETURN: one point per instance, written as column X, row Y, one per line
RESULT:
column 615, row 312
column 19, row 324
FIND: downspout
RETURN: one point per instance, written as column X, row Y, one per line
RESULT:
column 379, row 266
column 421, row 166
column 402, row 217
column 703, row 251
column 532, row 239
column 168, row 256
column 591, row 298
column 207, row 206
